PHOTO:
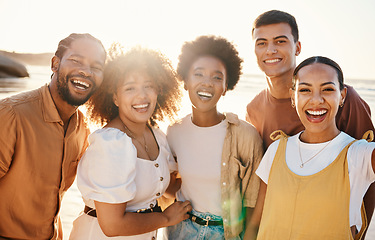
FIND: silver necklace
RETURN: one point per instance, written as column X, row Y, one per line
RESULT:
column 308, row 160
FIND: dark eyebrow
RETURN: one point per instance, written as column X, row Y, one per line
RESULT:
column 200, row 68
column 81, row 57
column 260, row 39
column 323, row 84
column 275, row 38
column 282, row 36
column 327, row 83
column 303, row 83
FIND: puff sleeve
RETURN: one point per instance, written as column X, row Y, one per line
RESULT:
column 107, row 169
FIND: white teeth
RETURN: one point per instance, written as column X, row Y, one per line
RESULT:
column 81, row 83
column 205, row 94
column 273, row 60
column 316, row 113
column 140, row 106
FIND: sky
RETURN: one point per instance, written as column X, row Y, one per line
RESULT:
column 343, row 30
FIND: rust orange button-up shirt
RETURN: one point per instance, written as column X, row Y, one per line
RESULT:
column 37, row 164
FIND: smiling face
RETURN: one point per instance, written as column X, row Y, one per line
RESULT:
column 136, row 98
column 80, row 71
column 317, row 98
column 276, row 50
column 206, row 83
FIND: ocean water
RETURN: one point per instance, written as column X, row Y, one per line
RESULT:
column 234, row 101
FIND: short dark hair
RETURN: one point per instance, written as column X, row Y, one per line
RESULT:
column 274, row 17
column 322, row 60
column 101, row 107
column 217, row 47
column 66, row 42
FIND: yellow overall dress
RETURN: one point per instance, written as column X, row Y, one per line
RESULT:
column 306, row 207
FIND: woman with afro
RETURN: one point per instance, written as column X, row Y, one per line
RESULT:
column 216, row 153
column 126, row 167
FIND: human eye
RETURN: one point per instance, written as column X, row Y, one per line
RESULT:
column 219, row 78
column 329, row 89
column 97, row 68
column 128, row 88
column 303, row 90
column 75, row 61
column 260, row 43
column 198, row 74
column 149, row 85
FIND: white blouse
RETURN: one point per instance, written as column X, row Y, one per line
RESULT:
column 110, row 172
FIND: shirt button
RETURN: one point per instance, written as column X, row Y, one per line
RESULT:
column 151, row 205
column 156, row 165
column 224, row 183
column 158, row 194
column 161, row 178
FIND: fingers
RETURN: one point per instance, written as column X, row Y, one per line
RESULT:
column 188, row 206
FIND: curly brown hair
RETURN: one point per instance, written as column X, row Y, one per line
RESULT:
column 101, row 107
column 215, row 46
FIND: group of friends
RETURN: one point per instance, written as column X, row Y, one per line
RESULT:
column 300, row 167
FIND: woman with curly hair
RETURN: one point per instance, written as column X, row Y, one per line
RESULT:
column 216, row 153
column 126, row 167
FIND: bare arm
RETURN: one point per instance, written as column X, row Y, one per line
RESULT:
column 114, row 221
column 174, row 185
column 254, row 216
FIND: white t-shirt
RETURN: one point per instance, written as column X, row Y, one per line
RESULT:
column 360, row 170
column 198, row 151
column 110, row 172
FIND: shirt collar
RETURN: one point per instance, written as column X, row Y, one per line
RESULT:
column 50, row 113
column 232, row 118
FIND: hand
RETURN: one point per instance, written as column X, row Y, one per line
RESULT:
column 177, row 212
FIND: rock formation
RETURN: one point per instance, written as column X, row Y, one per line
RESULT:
column 11, row 68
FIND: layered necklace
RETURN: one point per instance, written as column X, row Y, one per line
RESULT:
column 308, row 160
column 131, row 135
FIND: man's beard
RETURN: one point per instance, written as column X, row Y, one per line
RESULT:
column 63, row 89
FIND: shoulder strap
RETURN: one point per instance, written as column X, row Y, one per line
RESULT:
column 369, row 136
column 277, row 135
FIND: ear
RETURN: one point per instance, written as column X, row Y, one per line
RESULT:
column 292, row 96
column 298, row 48
column 224, row 91
column 343, row 95
column 115, row 101
column 55, row 63
column 185, row 87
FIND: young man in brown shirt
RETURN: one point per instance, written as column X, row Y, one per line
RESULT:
column 42, row 137
column 276, row 46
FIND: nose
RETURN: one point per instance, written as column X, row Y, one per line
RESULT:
column 142, row 92
column 317, row 98
column 271, row 49
column 207, row 81
column 85, row 71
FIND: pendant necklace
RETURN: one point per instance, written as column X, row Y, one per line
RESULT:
column 131, row 135
column 308, row 160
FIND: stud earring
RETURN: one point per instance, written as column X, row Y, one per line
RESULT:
column 293, row 106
